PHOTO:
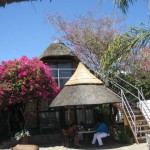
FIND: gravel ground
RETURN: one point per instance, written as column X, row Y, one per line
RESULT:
column 142, row 146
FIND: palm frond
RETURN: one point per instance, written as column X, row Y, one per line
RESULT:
column 122, row 46
column 123, row 4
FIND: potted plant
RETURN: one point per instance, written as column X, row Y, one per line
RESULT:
column 23, row 136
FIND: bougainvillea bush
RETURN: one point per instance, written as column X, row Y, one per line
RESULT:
column 23, row 82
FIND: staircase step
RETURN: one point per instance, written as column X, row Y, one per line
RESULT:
column 140, row 122
column 144, row 131
column 138, row 116
column 134, row 107
column 143, row 125
column 138, row 112
column 141, row 137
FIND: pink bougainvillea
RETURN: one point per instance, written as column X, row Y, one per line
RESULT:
column 22, row 80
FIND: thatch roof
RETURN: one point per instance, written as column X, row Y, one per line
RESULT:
column 84, row 95
column 79, row 91
column 57, row 49
column 83, row 76
column 4, row 2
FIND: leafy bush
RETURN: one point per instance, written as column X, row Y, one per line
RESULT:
column 121, row 135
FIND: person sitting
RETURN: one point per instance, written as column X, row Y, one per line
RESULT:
column 101, row 132
column 72, row 132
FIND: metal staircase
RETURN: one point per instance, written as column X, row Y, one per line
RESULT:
column 133, row 106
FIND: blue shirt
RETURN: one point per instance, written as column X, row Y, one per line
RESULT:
column 102, row 128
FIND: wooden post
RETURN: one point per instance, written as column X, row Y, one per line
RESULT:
column 110, row 112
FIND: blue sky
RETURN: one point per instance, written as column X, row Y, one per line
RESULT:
column 25, row 31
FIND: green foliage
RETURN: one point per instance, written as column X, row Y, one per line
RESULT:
column 118, row 48
column 123, row 46
column 102, row 112
column 121, row 134
column 21, row 134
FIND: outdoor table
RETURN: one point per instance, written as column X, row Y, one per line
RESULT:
column 86, row 135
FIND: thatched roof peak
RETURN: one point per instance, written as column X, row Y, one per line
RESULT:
column 83, row 76
column 57, row 49
column 58, row 42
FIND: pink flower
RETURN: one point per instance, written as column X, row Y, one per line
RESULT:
column 24, row 80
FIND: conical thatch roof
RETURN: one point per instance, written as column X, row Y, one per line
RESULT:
column 84, row 95
column 57, row 49
column 78, row 91
column 83, row 76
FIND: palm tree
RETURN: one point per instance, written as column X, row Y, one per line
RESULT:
column 123, row 4
column 123, row 45
column 134, row 38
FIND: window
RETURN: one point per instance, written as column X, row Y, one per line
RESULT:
column 61, row 71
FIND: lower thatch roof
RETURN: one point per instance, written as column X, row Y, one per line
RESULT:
column 4, row 2
column 84, row 95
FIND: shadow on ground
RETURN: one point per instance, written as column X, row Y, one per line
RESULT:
column 90, row 146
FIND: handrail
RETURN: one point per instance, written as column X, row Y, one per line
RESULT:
column 140, row 94
column 129, row 110
column 126, row 82
column 125, row 102
column 140, row 97
column 122, row 88
column 118, row 85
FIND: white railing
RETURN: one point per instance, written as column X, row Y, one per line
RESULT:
column 142, row 102
column 125, row 103
column 130, row 112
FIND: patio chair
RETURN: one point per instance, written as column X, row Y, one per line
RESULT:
column 68, row 140
column 148, row 140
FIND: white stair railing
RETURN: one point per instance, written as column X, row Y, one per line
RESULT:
column 130, row 112
column 142, row 102
column 137, row 95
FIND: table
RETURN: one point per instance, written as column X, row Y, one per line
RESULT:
column 86, row 131
column 86, row 135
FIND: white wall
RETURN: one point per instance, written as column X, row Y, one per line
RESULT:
column 145, row 110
